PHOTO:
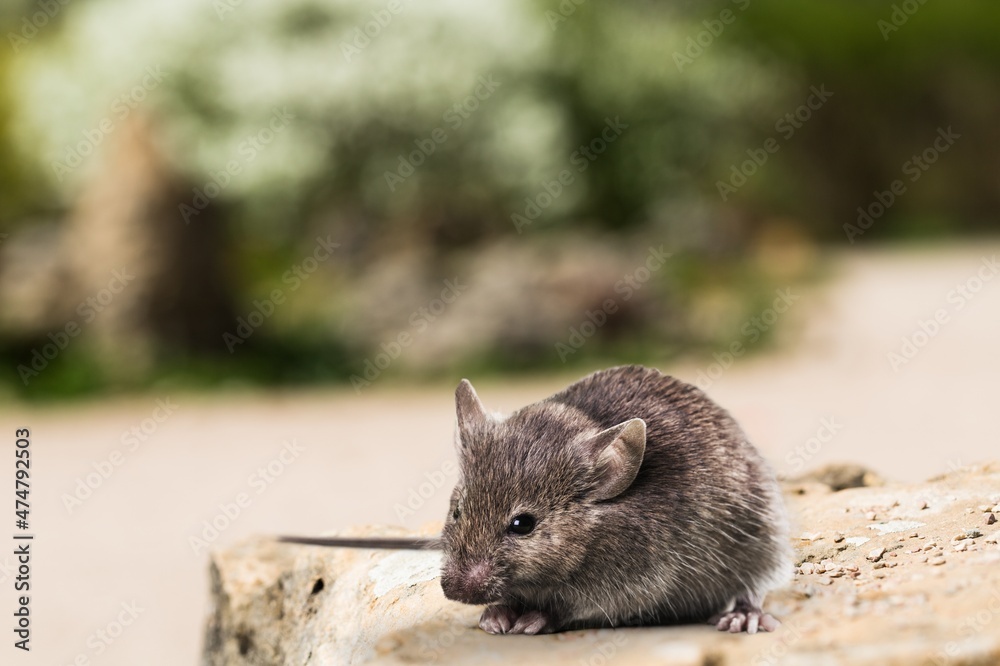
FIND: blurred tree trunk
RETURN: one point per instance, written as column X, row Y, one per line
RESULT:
column 126, row 234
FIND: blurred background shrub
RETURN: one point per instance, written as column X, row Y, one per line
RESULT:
column 234, row 191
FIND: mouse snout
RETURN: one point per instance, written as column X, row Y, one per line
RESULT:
column 468, row 584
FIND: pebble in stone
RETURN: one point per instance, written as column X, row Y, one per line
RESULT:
column 837, row 537
column 921, row 505
column 961, row 546
column 990, row 519
column 871, row 515
column 875, row 555
column 985, row 508
column 973, row 534
column 937, row 561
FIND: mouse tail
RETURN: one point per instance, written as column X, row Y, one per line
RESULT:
column 405, row 543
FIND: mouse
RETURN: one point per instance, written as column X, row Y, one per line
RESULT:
column 628, row 498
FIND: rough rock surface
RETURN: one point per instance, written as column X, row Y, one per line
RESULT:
column 884, row 575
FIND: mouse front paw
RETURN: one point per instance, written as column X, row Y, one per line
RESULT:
column 747, row 616
column 500, row 619
column 497, row 619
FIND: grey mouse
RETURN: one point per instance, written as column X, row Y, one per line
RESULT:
column 629, row 498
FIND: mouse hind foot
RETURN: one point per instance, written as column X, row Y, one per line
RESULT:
column 746, row 615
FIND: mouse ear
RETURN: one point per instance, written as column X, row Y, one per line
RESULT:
column 617, row 455
column 468, row 406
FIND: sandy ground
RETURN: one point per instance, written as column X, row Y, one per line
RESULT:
column 117, row 579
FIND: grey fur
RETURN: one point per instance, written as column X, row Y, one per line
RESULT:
column 701, row 528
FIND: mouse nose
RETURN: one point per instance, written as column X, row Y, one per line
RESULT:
column 468, row 584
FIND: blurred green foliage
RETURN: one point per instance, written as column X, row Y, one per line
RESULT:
column 564, row 71
column 899, row 71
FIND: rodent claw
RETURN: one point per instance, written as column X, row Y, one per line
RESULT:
column 532, row 622
column 500, row 619
column 749, row 620
column 497, row 619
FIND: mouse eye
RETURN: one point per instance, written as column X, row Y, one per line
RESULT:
column 455, row 514
column 522, row 524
